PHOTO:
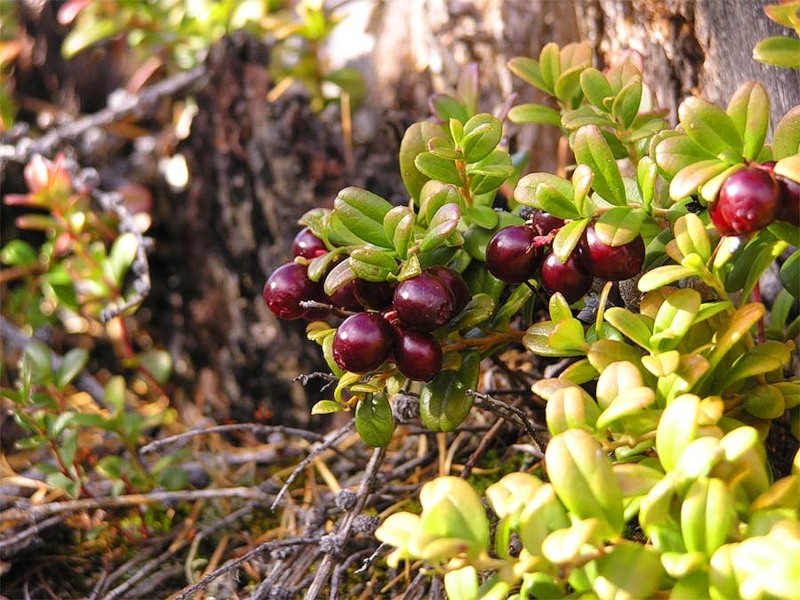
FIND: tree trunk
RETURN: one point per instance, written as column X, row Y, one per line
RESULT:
column 689, row 47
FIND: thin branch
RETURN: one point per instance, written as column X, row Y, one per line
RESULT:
column 235, row 563
column 502, row 409
column 318, row 449
column 34, row 513
column 251, row 427
column 20, row 540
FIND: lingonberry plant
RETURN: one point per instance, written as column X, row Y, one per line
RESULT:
column 657, row 424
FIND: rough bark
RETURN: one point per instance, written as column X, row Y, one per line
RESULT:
column 690, row 47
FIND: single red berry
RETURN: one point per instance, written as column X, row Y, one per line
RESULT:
column 418, row 354
column 511, row 254
column 423, row 302
column 287, row 287
column 719, row 220
column 748, row 199
column 362, row 342
column 456, row 283
column 570, row 278
column 375, row 295
column 543, row 222
column 612, row 263
column 307, row 245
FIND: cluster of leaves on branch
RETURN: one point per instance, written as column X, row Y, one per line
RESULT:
column 658, row 424
column 781, row 50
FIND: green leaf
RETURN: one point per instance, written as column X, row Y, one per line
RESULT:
column 482, row 133
column 374, row 421
column 661, row 276
column 675, row 153
column 362, row 213
column 339, row 276
column 484, row 216
column 452, row 509
column 786, row 139
column 778, row 51
column 741, row 322
column 372, row 264
column 626, row 103
column 568, row 85
column 85, row 36
column 462, row 583
column 582, row 476
column 551, row 199
column 121, row 256
column 790, row 275
column 41, row 359
column 595, row 87
column 568, row 238
column 415, row 141
column 114, row 394
column 444, row 403
column 764, row 402
column 444, row 149
column 674, row 318
column 398, row 225
column 584, row 115
column 443, row 223
column 568, row 335
column 438, row 168
column 749, row 111
column 326, row 407
column 687, row 181
column 633, row 326
column 619, row 226
column 446, row 108
column 628, row 402
column 710, row 127
column 73, row 363
column 571, row 408
column 158, row 363
column 592, row 149
column 534, row 113
column 707, row 515
column 550, row 65
column 490, row 173
column 629, row 570
column 526, row 191
column 677, row 429
column 691, row 236
column 434, row 195
column 18, row 253
column 528, row 70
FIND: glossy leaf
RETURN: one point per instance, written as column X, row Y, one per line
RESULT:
column 749, row 111
column 764, row 402
column 452, row 509
column 398, row 225
column 443, row 223
column 662, row 276
column 786, row 139
column 568, row 237
column 482, row 133
column 372, row 264
column 534, row 114
column 568, row 85
column 444, row 403
column 595, row 87
column 678, row 152
column 707, row 515
column 362, row 213
column 438, row 168
column 326, row 407
column 629, row 570
column 691, row 236
column 529, row 71
column 691, row 178
column 626, row 103
column 779, row 51
column 633, row 326
column 71, row 365
column 619, row 226
column 581, row 475
column 550, row 65
column 415, row 141
column 571, row 408
column 676, row 429
column 710, row 127
column 592, row 149
column 374, row 421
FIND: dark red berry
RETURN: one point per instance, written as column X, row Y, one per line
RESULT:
column 719, row 220
column 345, row 298
column 570, row 278
column 456, row 283
column 362, row 342
column 543, row 222
column 511, row 254
column 748, row 200
column 307, row 245
column 789, row 203
column 287, row 287
column 423, row 302
column 418, row 354
column 375, row 295
column 612, row 263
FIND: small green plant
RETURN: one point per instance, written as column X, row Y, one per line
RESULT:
column 685, row 378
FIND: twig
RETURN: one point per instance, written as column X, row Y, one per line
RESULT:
column 21, row 539
column 251, row 427
column 34, row 513
column 371, row 559
column 150, row 566
column 329, row 441
column 84, row 381
column 337, row 573
column 346, row 524
column 481, row 448
column 233, row 564
column 121, row 105
column 493, row 404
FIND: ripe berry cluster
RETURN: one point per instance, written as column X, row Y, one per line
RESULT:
column 754, row 197
column 389, row 323
column 516, row 253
